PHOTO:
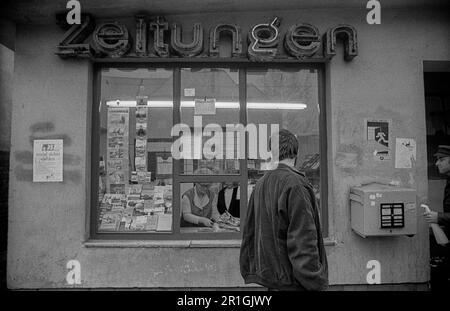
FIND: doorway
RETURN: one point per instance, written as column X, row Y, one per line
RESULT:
column 437, row 109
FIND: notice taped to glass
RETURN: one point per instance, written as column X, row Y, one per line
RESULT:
column 205, row 107
column 48, row 160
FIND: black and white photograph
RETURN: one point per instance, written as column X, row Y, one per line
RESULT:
column 252, row 149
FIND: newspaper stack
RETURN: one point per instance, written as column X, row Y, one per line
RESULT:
column 226, row 221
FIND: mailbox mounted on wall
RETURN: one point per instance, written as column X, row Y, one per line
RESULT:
column 383, row 210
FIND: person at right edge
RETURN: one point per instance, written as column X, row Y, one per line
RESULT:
column 282, row 246
column 443, row 165
column 441, row 278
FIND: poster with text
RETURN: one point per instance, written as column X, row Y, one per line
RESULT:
column 48, row 160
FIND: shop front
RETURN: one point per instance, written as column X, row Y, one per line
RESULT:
column 121, row 121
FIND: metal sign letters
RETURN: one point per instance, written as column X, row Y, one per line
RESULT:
column 112, row 39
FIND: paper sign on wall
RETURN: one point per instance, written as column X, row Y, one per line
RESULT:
column 405, row 152
column 378, row 136
column 48, row 160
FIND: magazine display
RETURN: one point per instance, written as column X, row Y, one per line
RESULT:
column 132, row 201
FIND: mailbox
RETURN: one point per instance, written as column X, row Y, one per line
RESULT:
column 383, row 210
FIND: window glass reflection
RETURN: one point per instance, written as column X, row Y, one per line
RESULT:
column 210, row 97
column 289, row 99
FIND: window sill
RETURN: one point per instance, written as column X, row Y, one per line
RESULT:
column 174, row 244
column 163, row 244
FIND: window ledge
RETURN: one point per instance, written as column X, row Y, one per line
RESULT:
column 174, row 244
column 162, row 244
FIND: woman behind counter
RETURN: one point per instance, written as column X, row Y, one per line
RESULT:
column 229, row 199
column 199, row 204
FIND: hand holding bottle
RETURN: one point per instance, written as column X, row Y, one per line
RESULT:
column 431, row 217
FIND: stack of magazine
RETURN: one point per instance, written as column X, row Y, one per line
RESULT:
column 226, row 221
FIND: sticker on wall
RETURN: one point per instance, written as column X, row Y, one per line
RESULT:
column 48, row 160
column 377, row 135
column 410, row 206
column 405, row 152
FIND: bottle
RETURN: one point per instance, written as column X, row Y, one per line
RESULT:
column 439, row 234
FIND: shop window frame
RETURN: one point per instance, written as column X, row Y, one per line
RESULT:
column 177, row 177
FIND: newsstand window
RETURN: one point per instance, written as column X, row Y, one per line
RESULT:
column 172, row 146
column 135, row 182
column 210, row 100
column 287, row 98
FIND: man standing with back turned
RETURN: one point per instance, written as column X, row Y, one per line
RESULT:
column 282, row 246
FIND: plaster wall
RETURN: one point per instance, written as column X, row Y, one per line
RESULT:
column 7, row 36
column 48, row 221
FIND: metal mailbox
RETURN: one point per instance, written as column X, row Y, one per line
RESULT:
column 383, row 210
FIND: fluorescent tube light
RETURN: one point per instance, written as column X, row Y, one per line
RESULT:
column 219, row 105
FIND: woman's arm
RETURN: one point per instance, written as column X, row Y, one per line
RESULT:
column 215, row 212
column 187, row 214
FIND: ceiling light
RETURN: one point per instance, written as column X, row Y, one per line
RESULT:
column 219, row 105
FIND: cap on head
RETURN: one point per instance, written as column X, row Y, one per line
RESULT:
column 443, row 151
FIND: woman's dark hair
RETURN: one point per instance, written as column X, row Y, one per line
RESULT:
column 287, row 145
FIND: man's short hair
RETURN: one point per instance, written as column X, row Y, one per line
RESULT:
column 287, row 145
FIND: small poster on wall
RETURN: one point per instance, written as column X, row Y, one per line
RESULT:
column 405, row 152
column 48, row 160
column 378, row 136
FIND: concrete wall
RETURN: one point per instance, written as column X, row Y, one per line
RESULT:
column 7, row 37
column 47, row 225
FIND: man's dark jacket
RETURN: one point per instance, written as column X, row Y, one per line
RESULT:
column 282, row 245
column 444, row 218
